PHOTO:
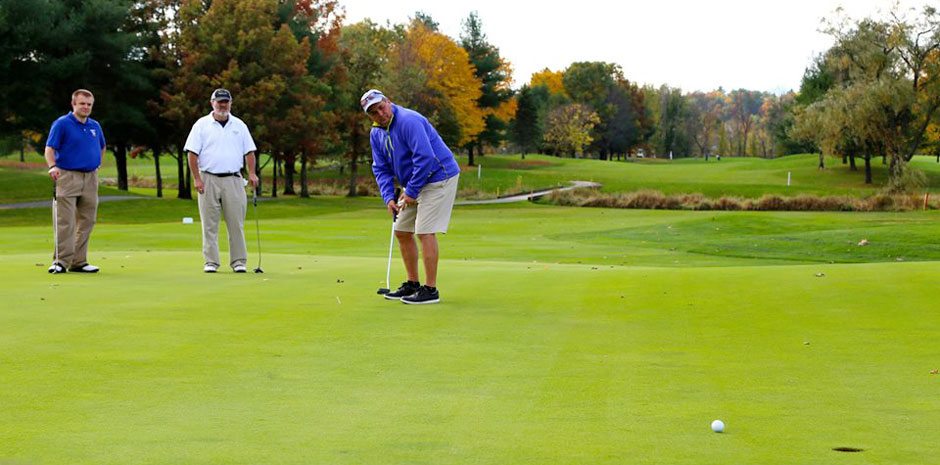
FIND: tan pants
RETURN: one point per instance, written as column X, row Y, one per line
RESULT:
column 77, row 209
column 223, row 196
column 432, row 214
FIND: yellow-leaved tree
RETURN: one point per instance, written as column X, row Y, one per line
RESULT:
column 550, row 79
column 432, row 74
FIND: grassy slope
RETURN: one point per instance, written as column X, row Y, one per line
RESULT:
column 742, row 177
column 745, row 177
column 355, row 227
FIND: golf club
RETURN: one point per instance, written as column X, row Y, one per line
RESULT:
column 391, row 246
column 254, row 201
column 55, row 229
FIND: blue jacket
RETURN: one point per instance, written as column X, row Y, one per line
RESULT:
column 411, row 151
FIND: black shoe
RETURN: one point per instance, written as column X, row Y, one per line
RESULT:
column 56, row 268
column 86, row 268
column 425, row 295
column 407, row 288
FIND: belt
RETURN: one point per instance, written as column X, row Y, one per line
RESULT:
column 224, row 175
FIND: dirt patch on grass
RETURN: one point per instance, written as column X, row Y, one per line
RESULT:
column 25, row 166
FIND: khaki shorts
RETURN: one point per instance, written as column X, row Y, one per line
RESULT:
column 432, row 214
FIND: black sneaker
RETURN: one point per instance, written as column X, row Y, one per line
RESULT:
column 86, row 268
column 407, row 288
column 425, row 295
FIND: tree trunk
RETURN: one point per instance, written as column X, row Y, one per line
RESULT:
column 353, row 162
column 304, row 191
column 274, row 177
column 868, row 169
column 470, row 155
column 156, row 167
column 182, row 187
column 353, row 175
column 120, row 158
column 258, row 190
column 189, row 180
column 852, row 163
column 822, row 161
column 289, row 159
column 896, row 173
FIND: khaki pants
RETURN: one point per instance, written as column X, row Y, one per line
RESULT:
column 77, row 209
column 223, row 196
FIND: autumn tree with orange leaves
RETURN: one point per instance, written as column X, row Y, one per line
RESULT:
column 430, row 73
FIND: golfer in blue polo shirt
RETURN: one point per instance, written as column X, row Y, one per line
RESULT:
column 74, row 151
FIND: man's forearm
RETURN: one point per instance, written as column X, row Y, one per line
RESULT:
column 250, row 162
column 49, row 155
column 194, row 165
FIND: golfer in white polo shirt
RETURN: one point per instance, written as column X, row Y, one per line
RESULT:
column 219, row 145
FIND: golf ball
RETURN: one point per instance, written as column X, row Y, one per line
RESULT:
column 718, row 426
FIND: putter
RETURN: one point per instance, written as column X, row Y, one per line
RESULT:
column 391, row 246
column 254, row 201
column 55, row 227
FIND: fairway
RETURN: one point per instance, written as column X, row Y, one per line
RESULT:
column 546, row 348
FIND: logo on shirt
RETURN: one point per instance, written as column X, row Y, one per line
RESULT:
column 94, row 133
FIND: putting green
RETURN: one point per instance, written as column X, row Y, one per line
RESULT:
column 526, row 360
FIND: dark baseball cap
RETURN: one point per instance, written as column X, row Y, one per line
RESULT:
column 221, row 94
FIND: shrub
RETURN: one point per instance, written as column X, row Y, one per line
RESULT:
column 770, row 203
column 656, row 200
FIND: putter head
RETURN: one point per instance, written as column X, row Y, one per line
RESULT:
column 259, row 270
column 382, row 291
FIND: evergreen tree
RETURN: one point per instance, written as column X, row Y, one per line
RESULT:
column 495, row 76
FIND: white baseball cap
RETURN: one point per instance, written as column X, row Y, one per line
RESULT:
column 371, row 97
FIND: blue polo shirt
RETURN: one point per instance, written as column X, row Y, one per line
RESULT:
column 77, row 145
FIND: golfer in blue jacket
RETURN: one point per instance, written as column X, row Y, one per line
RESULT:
column 406, row 149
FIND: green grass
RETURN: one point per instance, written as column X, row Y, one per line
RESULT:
column 506, row 174
column 565, row 336
column 740, row 177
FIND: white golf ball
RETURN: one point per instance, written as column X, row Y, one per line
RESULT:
column 718, row 426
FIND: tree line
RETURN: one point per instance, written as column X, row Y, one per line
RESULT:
column 297, row 70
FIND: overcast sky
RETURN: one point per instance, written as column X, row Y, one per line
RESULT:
column 694, row 45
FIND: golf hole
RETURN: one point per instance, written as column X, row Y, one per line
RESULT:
column 847, row 449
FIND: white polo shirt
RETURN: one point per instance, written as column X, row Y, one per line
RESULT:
column 221, row 149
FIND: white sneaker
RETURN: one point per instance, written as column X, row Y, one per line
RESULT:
column 56, row 268
column 210, row 268
column 86, row 268
column 239, row 269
